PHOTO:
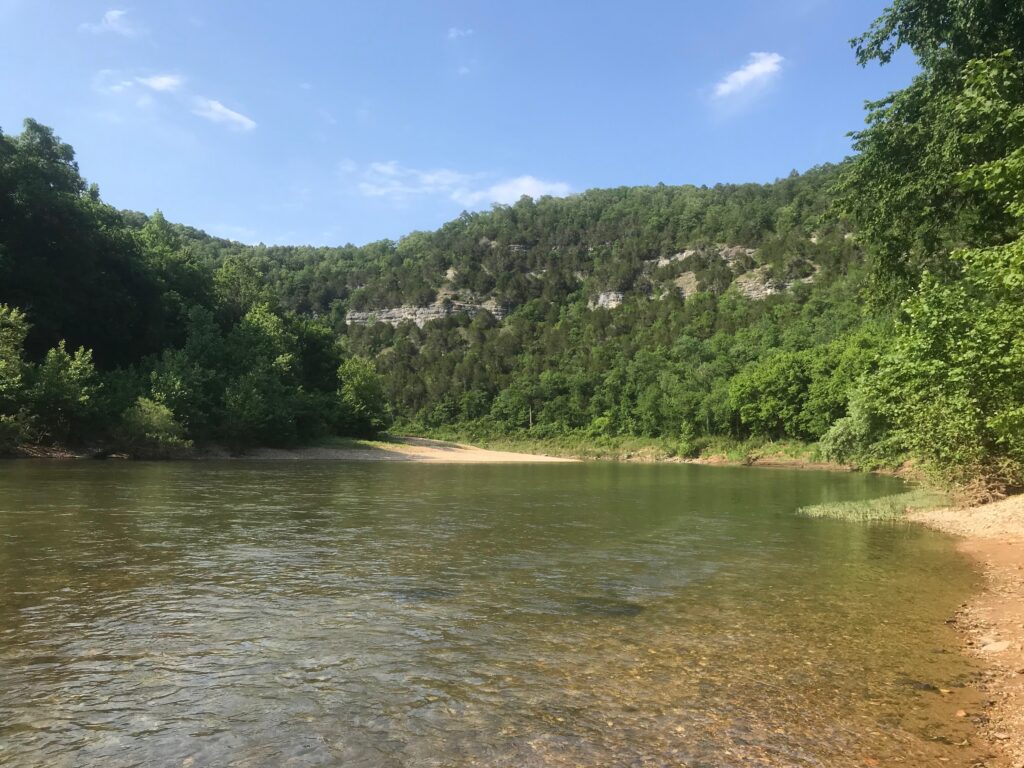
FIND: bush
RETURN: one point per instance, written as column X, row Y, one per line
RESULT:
column 12, row 432
column 952, row 383
column 259, row 410
column 365, row 409
column 61, row 395
column 149, row 425
column 862, row 437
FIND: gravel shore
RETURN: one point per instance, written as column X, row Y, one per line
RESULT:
column 993, row 621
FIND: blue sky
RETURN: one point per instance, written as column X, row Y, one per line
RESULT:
column 331, row 122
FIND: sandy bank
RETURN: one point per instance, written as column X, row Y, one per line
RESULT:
column 993, row 621
column 417, row 449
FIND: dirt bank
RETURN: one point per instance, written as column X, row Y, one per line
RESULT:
column 993, row 621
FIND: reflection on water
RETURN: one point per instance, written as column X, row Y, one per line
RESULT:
column 407, row 615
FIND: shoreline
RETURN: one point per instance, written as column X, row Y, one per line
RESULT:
column 992, row 621
column 404, row 449
column 393, row 449
column 411, row 448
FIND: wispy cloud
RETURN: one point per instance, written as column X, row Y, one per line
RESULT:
column 166, row 89
column 760, row 68
column 397, row 182
column 166, row 83
column 393, row 181
column 115, row 22
column 454, row 33
column 215, row 112
column 110, row 81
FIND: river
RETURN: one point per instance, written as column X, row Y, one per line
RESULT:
column 320, row 614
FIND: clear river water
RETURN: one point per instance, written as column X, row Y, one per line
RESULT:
column 358, row 614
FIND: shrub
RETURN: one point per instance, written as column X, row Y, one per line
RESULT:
column 149, row 425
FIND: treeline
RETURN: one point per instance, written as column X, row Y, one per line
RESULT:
column 121, row 336
column 886, row 319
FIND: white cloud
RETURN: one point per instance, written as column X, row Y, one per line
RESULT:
column 454, row 33
column 396, row 182
column 110, row 81
column 168, row 83
column 214, row 111
column 463, row 71
column 759, row 69
column 116, row 22
column 510, row 190
column 236, row 233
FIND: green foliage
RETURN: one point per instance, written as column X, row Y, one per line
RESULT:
column 913, row 189
column 13, row 331
column 885, row 509
column 259, row 409
column 937, row 189
column 69, row 257
column 770, row 395
column 203, row 339
column 149, row 425
column 365, row 408
column 62, row 392
column 940, row 32
column 953, row 382
column 859, row 437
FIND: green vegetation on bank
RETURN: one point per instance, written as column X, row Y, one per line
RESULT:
column 870, row 308
column 884, row 509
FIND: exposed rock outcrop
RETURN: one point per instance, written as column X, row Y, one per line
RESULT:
column 687, row 284
column 422, row 315
column 757, row 284
column 606, row 300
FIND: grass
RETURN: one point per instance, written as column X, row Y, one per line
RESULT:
column 886, row 508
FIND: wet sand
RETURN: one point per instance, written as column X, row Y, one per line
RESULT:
column 993, row 621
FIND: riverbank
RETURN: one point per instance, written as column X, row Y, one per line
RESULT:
column 402, row 449
column 461, row 449
column 712, row 451
column 416, row 449
column 992, row 622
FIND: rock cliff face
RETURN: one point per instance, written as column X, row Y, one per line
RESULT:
column 658, row 278
column 687, row 284
column 756, row 284
column 606, row 300
column 421, row 315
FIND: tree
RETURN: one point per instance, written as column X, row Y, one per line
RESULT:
column 13, row 330
column 67, row 259
column 770, row 395
column 904, row 187
column 365, row 410
column 62, row 392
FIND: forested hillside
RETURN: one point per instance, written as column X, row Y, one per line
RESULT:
column 874, row 306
